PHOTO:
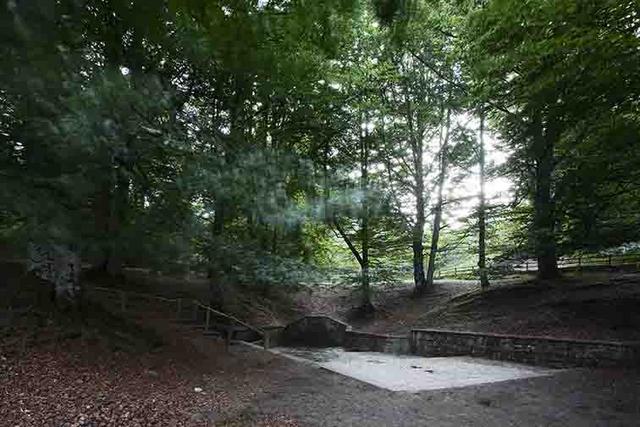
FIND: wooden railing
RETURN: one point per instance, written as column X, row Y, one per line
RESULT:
column 124, row 298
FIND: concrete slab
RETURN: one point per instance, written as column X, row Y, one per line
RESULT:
column 413, row 373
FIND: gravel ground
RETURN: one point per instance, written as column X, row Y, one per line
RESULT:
column 317, row 397
column 410, row 372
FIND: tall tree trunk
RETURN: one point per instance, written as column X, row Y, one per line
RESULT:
column 417, row 232
column 118, row 203
column 417, row 243
column 326, row 193
column 482, row 250
column 274, row 240
column 543, row 203
column 437, row 216
column 362, row 255
column 119, row 53
column 101, row 211
column 216, row 270
column 367, row 306
column 418, row 228
column 218, row 218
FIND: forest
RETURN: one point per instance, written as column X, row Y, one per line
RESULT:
column 319, row 213
column 265, row 142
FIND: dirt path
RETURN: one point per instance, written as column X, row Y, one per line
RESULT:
column 316, row 397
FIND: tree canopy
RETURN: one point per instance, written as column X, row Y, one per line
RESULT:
column 270, row 141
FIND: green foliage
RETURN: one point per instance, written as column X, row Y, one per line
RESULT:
column 393, row 11
column 259, row 141
column 575, row 65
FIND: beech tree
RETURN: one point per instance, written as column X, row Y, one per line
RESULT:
column 258, row 142
column 537, row 64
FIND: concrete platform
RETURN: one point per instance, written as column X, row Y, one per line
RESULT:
column 412, row 373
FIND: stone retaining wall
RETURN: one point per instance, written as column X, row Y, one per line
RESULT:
column 363, row 341
column 323, row 331
column 315, row 331
column 273, row 334
column 542, row 351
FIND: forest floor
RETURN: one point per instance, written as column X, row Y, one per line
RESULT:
column 599, row 305
column 191, row 381
column 185, row 379
column 151, row 371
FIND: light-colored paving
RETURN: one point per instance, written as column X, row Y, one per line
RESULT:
column 413, row 373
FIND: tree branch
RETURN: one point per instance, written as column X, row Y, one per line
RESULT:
column 347, row 240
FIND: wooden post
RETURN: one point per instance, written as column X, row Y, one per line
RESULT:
column 179, row 308
column 609, row 260
column 455, row 272
column 195, row 310
column 526, row 266
column 207, row 318
column 123, row 301
column 266, row 339
column 227, row 338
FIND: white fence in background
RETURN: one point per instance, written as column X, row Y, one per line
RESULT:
column 531, row 265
